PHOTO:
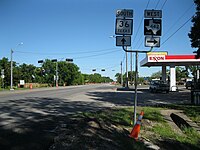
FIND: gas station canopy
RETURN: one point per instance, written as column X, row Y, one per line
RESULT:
column 163, row 59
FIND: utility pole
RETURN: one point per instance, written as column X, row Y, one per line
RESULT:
column 11, row 70
column 56, row 74
column 56, row 78
column 131, row 68
column 121, row 74
column 136, row 82
column 126, row 69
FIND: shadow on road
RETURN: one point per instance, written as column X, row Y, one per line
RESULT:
column 145, row 98
column 30, row 123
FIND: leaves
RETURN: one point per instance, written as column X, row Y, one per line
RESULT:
column 194, row 34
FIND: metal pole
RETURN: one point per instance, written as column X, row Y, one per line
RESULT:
column 2, row 84
column 56, row 74
column 131, row 69
column 121, row 74
column 11, row 70
column 136, row 81
column 126, row 69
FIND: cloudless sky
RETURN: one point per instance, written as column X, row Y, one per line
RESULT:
column 81, row 30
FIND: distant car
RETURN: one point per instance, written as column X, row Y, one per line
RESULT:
column 159, row 86
column 189, row 84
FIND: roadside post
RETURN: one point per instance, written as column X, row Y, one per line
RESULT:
column 152, row 31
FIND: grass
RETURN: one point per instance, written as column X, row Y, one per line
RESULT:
column 192, row 111
column 164, row 130
column 119, row 118
column 159, row 128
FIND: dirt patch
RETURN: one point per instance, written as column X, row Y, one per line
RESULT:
column 89, row 133
column 93, row 133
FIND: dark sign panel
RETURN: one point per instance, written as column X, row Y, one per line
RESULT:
column 152, row 27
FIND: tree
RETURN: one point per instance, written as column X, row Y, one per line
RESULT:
column 69, row 74
column 95, row 78
column 48, row 71
column 181, row 73
column 24, row 72
column 194, row 34
column 118, row 77
column 131, row 76
column 156, row 75
column 5, row 64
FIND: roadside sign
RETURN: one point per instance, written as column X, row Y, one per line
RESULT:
column 21, row 82
column 123, row 40
column 124, row 13
column 124, row 26
column 153, row 13
column 152, row 27
column 152, row 41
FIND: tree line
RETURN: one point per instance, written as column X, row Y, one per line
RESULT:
column 68, row 74
column 182, row 73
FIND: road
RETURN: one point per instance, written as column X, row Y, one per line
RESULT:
column 28, row 118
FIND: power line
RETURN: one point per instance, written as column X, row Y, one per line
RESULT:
column 171, row 27
column 176, row 30
column 124, row 57
column 84, row 52
column 95, row 55
column 163, row 4
column 157, row 4
column 141, row 23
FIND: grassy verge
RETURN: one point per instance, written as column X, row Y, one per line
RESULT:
column 154, row 127
column 190, row 110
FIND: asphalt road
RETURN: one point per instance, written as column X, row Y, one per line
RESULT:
column 29, row 118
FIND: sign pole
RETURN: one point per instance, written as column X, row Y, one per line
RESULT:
column 136, row 82
column 121, row 75
column 126, row 69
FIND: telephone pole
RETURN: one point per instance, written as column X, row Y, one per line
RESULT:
column 121, row 74
column 11, row 70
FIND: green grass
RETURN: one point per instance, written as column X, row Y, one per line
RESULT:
column 152, row 114
column 160, row 128
column 117, row 116
column 164, row 130
column 192, row 111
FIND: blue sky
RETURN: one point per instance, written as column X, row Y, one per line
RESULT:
column 80, row 29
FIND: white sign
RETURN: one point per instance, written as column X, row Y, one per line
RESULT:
column 124, row 13
column 21, row 82
column 153, row 27
column 124, row 26
column 123, row 40
column 153, row 13
column 152, row 41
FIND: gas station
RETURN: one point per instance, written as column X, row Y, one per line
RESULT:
column 163, row 60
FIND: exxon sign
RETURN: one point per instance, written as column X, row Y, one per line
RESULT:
column 156, row 58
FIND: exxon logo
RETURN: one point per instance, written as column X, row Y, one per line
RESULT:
column 157, row 58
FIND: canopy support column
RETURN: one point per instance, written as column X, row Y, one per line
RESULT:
column 173, row 78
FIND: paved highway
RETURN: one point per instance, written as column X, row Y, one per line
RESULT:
column 28, row 117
